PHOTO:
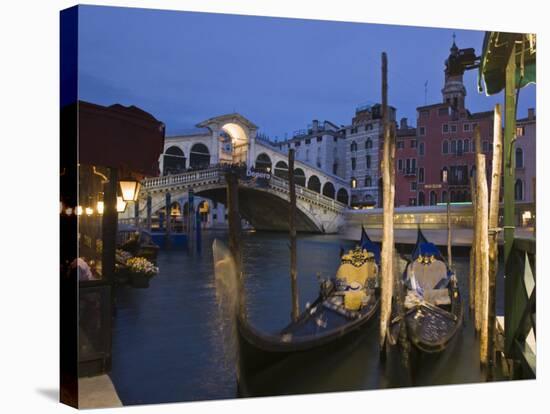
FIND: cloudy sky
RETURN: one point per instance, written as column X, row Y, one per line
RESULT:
column 280, row 73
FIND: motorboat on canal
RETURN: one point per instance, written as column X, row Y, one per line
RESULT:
column 429, row 304
column 337, row 318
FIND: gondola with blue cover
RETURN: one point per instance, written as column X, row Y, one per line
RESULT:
column 431, row 306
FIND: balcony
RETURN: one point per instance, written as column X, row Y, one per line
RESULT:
column 410, row 171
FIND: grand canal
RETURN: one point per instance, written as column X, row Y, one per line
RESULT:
column 169, row 342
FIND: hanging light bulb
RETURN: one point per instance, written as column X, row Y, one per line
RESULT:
column 120, row 204
column 68, row 211
column 100, row 207
column 89, row 211
column 129, row 189
column 79, row 210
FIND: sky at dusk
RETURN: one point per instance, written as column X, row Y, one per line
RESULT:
column 280, row 73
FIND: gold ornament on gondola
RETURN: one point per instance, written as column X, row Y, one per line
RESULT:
column 357, row 257
column 425, row 259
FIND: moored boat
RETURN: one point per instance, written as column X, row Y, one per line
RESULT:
column 429, row 303
column 335, row 320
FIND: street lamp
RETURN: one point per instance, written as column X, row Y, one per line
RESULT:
column 129, row 188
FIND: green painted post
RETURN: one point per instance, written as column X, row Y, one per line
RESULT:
column 509, row 181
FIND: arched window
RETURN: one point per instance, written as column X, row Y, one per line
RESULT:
column 368, row 143
column 421, row 198
column 433, row 198
column 281, row 170
column 519, row 158
column 353, row 146
column 444, row 175
column 342, row 196
column 518, row 190
column 485, row 146
column 200, row 156
column 299, row 177
column 368, row 181
column 445, row 147
column 368, row 161
column 263, row 162
column 353, row 163
column 459, row 148
column 329, row 190
column 314, row 184
column 453, row 146
column 466, row 145
column 173, row 161
column 444, row 196
column 353, row 182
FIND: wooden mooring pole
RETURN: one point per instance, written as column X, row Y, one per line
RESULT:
column 449, row 236
column 388, row 184
column 482, row 212
column 477, row 234
column 168, row 221
column 493, row 238
column 234, row 224
column 292, row 231
column 471, row 279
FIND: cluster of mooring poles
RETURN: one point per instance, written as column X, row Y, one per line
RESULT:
column 484, row 250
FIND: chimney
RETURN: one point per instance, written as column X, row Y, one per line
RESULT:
column 403, row 123
column 315, row 125
column 531, row 114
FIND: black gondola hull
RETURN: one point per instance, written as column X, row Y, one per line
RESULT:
column 261, row 354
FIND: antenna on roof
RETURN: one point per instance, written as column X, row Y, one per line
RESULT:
column 426, row 93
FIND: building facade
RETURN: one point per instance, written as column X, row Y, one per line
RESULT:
column 445, row 145
column 363, row 139
column 525, row 158
column 320, row 145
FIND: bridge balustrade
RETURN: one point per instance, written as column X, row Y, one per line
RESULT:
column 216, row 174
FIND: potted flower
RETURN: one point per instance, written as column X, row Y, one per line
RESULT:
column 141, row 271
column 122, row 273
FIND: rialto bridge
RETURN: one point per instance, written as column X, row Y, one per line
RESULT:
column 196, row 161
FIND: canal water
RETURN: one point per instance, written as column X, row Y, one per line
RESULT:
column 170, row 345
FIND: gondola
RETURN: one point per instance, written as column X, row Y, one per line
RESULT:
column 335, row 320
column 428, row 302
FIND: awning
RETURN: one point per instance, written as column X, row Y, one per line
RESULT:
column 116, row 136
column 496, row 50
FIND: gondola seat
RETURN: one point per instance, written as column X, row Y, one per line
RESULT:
column 349, row 273
column 356, row 276
column 431, row 281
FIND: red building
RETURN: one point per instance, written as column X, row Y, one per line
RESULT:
column 444, row 142
column 406, row 165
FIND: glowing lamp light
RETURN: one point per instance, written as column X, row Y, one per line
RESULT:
column 100, row 207
column 89, row 211
column 129, row 189
column 120, row 204
column 79, row 210
column 68, row 211
column 444, row 176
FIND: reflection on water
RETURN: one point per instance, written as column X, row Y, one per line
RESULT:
column 170, row 340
